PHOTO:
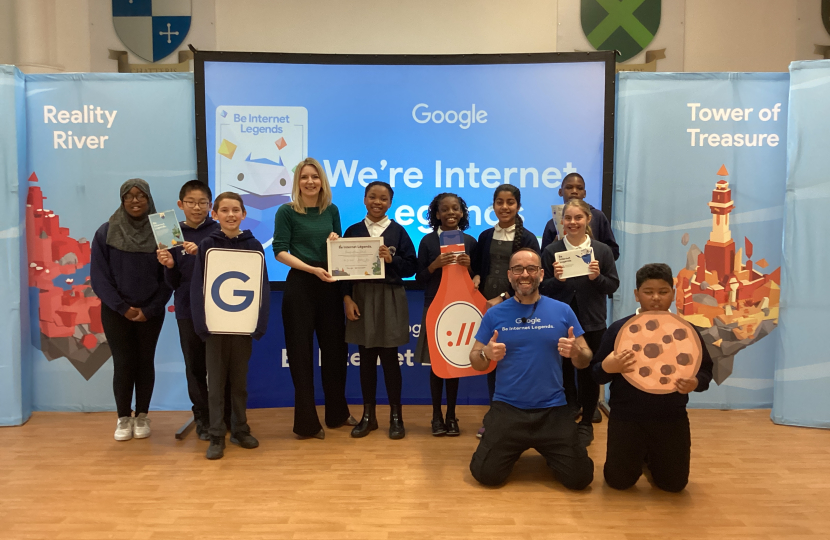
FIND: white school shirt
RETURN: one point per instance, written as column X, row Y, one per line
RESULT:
column 506, row 235
column 571, row 247
column 376, row 229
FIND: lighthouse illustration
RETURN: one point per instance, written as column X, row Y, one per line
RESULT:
column 732, row 302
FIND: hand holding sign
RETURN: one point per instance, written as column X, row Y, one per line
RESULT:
column 494, row 350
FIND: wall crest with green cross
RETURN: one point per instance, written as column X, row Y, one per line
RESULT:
column 627, row 26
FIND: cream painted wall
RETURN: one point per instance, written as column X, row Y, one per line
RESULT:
column 700, row 35
column 740, row 35
column 387, row 27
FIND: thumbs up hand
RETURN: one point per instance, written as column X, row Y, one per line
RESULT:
column 567, row 346
column 494, row 350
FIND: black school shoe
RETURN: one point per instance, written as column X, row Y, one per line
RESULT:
column 216, row 449
column 202, row 431
column 245, row 440
column 585, row 434
column 438, row 427
column 452, row 427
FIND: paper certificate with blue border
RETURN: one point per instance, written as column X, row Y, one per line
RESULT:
column 355, row 258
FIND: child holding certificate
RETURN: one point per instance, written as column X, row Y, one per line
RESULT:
column 447, row 212
column 586, row 294
column 227, row 355
column 377, row 312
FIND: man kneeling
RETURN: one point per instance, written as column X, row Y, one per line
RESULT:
column 528, row 335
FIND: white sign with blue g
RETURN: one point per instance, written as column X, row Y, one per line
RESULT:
column 233, row 285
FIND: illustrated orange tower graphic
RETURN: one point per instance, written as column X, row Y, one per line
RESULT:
column 730, row 301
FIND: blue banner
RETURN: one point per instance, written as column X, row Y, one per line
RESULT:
column 699, row 184
column 87, row 134
column 15, row 351
column 425, row 129
column 802, row 373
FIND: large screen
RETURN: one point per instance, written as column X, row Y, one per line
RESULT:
column 425, row 125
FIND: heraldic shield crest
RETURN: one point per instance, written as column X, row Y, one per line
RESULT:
column 151, row 29
column 627, row 26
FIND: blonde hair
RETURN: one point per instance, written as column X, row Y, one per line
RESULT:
column 323, row 198
column 582, row 205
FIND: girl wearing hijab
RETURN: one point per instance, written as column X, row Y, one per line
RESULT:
column 127, row 277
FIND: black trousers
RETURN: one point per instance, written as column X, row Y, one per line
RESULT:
column 227, row 359
column 584, row 392
column 195, row 370
column 369, row 373
column 665, row 446
column 311, row 306
column 509, row 431
column 133, row 346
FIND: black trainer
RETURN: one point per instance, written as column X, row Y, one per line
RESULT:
column 244, row 440
column 216, row 449
column 438, row 427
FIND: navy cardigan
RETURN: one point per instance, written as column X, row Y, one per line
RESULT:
column 481, row 260
column 404, row 262
column 590, row 295
column 428, row 251
column 123, row 279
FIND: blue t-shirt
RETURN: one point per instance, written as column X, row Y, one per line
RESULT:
column 530, row 374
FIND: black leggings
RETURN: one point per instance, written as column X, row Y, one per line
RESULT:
column 133, row 346
column 369, row 373
column 436, row 386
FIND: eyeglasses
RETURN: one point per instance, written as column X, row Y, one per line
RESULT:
column 140, row 197
column 519, row 270
column 196, row 204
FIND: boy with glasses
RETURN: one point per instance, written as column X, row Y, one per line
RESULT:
column 194, row 200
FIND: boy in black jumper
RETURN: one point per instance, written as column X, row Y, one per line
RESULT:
column 647, row 431
column 227, row 355
column 194, row 201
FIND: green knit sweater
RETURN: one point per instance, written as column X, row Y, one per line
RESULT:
column 304, row 235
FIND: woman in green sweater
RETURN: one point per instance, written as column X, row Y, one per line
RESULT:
column 312, row 301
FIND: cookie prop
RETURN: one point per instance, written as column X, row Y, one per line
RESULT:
column 666, row 348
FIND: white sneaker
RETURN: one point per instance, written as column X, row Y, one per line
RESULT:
column 124, row 429
column 142, row 426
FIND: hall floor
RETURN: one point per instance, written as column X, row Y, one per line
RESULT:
column 62, row 476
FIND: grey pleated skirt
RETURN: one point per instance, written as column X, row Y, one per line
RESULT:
column 384, row 316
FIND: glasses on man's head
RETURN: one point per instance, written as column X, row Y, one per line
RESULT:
column 519, row 270
column 140, row 197
column 196, row 204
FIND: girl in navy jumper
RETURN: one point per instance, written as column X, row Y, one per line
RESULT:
column 227, row 355
column 130, row 283
column 495, row 247
column 377, row 311
column 587, row 297
column 447, row 212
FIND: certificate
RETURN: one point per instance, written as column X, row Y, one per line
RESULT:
column 165, row 227
column 575, row 262
column 355, row 258
column 558, row 210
